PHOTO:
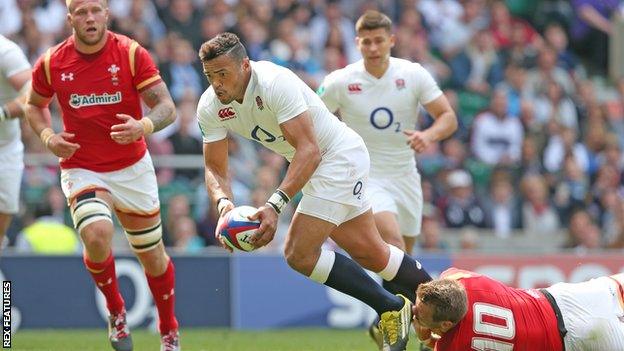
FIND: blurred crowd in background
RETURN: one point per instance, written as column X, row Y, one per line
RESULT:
column 539, row 148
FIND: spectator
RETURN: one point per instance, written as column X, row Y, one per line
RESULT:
column 538, row 215
column 185, row 237
column 456, row 34
column 552, row 104
column 181, row 17
column 478, row 68
column 430, row 238
column 181, row 73
column 497, row 137
column 47, row 235
column 330, row 20
column 502, row 207
column 514, row 85
column 547, row 70
column 461, row 207
column 591, row 29
column 556, row 36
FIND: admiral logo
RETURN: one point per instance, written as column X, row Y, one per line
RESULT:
column 78, row 101
column 226, row 113
column 354, row 88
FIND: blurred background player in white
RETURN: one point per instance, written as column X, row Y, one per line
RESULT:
column 329, row 163
column 15, row 75
column 100, row 78
column 379, row 97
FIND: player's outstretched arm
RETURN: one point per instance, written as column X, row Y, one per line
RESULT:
column 216, row 163
column 217, row 182
column 162, row 109
column 15, row 108
column 38, row 115
column 444, row 125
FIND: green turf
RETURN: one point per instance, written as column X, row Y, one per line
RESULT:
column 204, row 340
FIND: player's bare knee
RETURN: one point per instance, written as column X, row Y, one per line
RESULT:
column 97, row 236
column 300, row 261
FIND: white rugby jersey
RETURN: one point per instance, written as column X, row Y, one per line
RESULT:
column 380, row 109
column 12, row 61
column 273, row 96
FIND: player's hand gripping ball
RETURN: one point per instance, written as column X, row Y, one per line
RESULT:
column 236, row 229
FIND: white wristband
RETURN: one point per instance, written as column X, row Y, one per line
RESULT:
column 278, row 200
column 222, row 203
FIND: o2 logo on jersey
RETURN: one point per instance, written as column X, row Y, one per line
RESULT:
column 226, row 113
column 357, row 190
column 262, row 135
column 383, row 118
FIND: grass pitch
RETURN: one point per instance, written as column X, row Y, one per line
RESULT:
column 205, row 340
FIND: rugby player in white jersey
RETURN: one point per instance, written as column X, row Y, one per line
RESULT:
column 329, row 163
column 379, row 97
column 14, row 82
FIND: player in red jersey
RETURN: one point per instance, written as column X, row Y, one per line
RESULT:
column 467, row 311
column 99, row 78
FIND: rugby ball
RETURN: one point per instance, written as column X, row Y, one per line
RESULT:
column 236, row 229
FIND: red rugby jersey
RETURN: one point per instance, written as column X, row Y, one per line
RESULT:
column 501, row 318
column 92, row 89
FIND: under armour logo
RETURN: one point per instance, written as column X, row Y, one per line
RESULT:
column 167, row 296
column 68, row 76
column 101, row 285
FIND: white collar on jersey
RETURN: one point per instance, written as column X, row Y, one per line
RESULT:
column 251, row 86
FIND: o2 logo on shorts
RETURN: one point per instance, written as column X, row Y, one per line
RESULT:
column 357, row 190
column 382, row 118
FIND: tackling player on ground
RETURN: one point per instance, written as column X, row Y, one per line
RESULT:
column 328, row 162
column 467, row 311
column 100, row 78
column 379, row 97
column 14, row 83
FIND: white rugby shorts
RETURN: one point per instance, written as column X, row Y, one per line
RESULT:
column 593, row 314
column 337, row 191
column 134, row 189
column 401, row 196
column 11, row 175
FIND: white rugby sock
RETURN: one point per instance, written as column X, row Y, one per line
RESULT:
column 394, row 262
column 323, row 266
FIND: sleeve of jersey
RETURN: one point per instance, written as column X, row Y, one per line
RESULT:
column 428, row 89
column 208, row 125
column 39, row 80
column 146, row 74
column 13, row 61
column 286, row 99
column 328, row 92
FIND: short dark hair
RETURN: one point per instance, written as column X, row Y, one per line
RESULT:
column 222, row 44
column 447, row 297
column 372, row 20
